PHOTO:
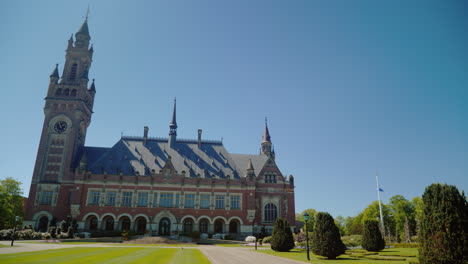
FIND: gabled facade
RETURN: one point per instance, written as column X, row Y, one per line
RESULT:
column 158, row 186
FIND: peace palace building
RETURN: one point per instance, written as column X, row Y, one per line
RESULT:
column 158, row 186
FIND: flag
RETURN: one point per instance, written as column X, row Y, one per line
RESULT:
column 380, row 190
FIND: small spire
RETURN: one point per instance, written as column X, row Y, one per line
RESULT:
column 91, row 49
column 55, row 73
column 92, row 88
column 250, row 166
column 173, row 123
column 266, row 133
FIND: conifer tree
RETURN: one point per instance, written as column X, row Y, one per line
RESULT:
column 326, row 239
column 444, row 226
column 282, row 238
column 372, row 238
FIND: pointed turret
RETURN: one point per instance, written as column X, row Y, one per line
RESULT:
column 55, row 73
column 266, row 143
column 173, row 127
column 250, row 169
column 82, row 36
column 92, row 88
column 70, row 42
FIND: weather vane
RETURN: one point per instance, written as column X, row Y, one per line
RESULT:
column 87, row 12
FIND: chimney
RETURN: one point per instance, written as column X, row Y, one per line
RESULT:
column 199, row 138
column 145, row 135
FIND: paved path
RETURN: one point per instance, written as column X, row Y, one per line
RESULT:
column 216, row 254
column 238, row 255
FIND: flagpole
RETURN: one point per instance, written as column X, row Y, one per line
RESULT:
column 380, row 205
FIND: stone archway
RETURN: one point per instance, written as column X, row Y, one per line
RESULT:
column 234, row 226
column 108, row 223
column 203, row 226
column 125, row 223
column 165, row 227
column 188, row 226
column 140, row 225
column 219, row 226
column 43, row 223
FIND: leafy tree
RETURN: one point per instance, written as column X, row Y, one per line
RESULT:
column 418, row 212
column 326, row 240
column 282, row 238
column 372, row 238
column 444, row 226
column 340, row 223
column 402, row 210
column 311, row 221
column 11, row 202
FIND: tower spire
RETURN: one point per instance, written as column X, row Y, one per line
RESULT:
column 266, row 142
column 173, row 126
column 266, row 133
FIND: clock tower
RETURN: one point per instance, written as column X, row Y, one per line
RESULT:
column 68, row 109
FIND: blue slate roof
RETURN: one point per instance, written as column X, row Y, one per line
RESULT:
column 130, row 156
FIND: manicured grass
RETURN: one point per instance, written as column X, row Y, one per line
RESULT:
column 108, row 255
column 154, row 245
column 62, row 243
column 1, row 245
column 300, row 255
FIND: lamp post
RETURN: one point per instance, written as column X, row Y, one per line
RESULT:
column 17, row 219
column 255, row 235
column 306, row 218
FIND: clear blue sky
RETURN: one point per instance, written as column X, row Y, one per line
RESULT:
column 349, row 87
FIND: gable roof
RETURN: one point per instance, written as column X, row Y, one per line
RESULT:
column 130, row 156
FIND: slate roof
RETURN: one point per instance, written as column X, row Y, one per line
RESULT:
column 131, row 157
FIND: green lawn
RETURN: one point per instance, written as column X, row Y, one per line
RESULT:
column 156, row 245
column 355, row 258
column 108, row 255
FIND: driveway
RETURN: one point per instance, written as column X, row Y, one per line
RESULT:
column 238, row 255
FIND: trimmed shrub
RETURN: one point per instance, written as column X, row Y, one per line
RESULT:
column 352, row 241
column 404, row 245
column 53, row 231
column 267, row 239
column 372, row 238
column 443, row 233
column 70, row 232
column 326, row 240
column 282, row 238
column 195, row 235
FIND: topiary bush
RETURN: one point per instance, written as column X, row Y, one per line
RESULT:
column 372, row 238
column 282, row 239
column 326, row 240
column 443, row 233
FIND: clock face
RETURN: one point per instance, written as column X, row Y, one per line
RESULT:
column 60, row 126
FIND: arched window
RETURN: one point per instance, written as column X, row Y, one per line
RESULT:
column 203, row 228
column 58, row 91
column 109, row 224
column 93, row 223
column 66, row 92
column 73, row 72
column 270, row 213
column 73, row 93
column 188, row 226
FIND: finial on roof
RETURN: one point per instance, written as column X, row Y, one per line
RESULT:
column 87, row 13
column 55, row 73
column 173, row 123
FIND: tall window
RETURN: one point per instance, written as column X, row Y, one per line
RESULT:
column 155, row 200
column 127, row 199
column 235, row 202
column 270, row 178
column 143, row 199
column 46, row 197
column 177, row 199
column 203, row 228
column 110, row 198
column 73, row 72
column 219, row 202
column 189, row 201
column 270, row 213
column 94, row 198
column 205, row 201
column 166, row 200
